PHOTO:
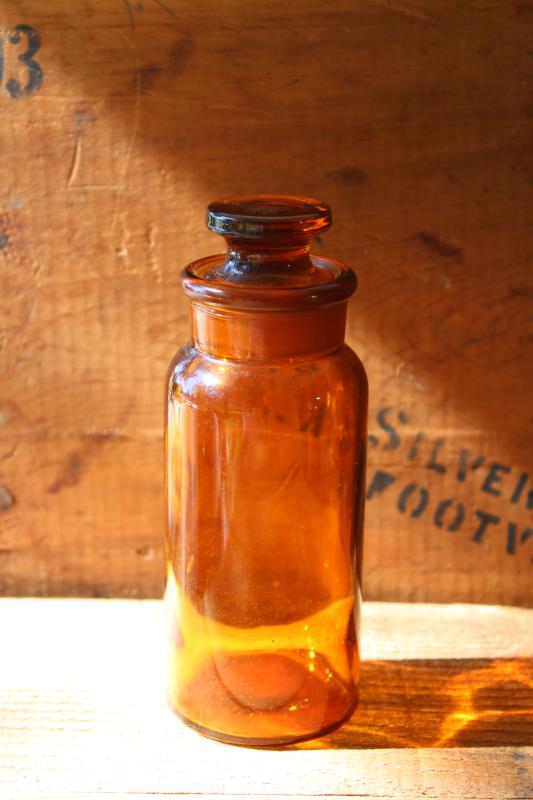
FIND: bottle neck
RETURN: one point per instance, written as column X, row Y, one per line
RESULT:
column 265, row 258
column 243, row 335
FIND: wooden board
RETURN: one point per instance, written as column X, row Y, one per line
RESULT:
column 444, row 718
column 413, row 119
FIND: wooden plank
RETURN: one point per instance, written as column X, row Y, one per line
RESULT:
column 82, row 713
column 413, row 119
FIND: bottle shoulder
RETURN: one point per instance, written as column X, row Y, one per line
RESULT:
column 197, row 378
column 354, row 363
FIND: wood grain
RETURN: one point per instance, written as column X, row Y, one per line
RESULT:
column 82, row 713
column 413, row 120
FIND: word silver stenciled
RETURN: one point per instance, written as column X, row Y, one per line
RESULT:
column 451, row 513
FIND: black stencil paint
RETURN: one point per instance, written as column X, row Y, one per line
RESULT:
column 450, row 514
column 34, row 74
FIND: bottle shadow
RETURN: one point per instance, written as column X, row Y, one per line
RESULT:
column 439, row 703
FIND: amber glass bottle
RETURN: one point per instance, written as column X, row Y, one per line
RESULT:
column 266, row 434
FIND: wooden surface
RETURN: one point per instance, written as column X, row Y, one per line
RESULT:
column 413, row 119
column 446, row 711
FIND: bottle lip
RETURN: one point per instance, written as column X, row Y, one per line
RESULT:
column 199, row 281
column 268, row 216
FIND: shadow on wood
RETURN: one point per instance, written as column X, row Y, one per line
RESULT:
column 440, row 703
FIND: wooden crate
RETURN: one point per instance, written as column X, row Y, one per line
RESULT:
column 121, row 120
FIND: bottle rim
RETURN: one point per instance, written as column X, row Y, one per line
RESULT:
column 198, row 285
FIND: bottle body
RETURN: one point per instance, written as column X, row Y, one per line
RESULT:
column 265, row 465
column 265, row 481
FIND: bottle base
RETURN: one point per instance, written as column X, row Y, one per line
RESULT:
column 264, row 699
column 269, row 742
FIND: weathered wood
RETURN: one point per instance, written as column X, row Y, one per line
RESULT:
column 82, row 713
column 412, row 119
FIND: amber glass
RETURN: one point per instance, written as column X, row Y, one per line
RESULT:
column 266, row 432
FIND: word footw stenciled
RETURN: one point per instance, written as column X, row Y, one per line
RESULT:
column 434, row 503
